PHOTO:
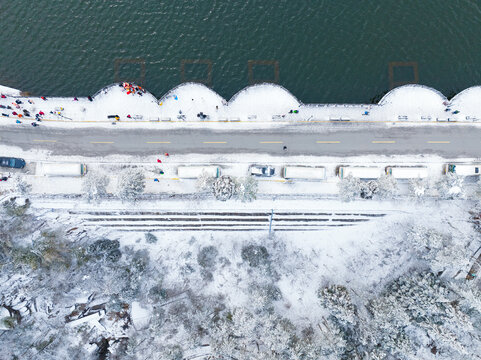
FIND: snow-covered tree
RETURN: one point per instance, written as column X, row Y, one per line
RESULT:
column 419, row 311
column 424, row 239
column 454, row 257
column 417, row 187
column 350, row 188
column 262, row 296
column 239, row 334
column 224, row 188
column 105, row 250
column 94, row 185
column 21, row 185
column 131, row 184
column 469, row 298
column 369, row 189
column 438, row 249
column 337, row 300
column 386, row 187
column 386, row 329
column 204, row 181
column 150, row 238
column 255, row 255
column 247, row 189
column 451, row 186
column 227, row 187
column 207, row 258
column 478, row 189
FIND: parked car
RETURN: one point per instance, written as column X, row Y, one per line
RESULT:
column 61, row 169
column 12, row 162
column 304, row 172
column 464, row 169
column 262, row 170
column 361, row 172
column 407, row 172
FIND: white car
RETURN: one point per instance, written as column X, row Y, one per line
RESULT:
column 262, row 170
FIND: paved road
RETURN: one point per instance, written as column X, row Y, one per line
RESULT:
column 450, row 141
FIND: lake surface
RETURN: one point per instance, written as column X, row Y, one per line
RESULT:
column 322, row 51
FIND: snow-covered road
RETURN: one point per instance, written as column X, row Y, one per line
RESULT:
column 440, row 139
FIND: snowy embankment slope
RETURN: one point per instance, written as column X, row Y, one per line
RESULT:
column 263, row 105
column 267, row 288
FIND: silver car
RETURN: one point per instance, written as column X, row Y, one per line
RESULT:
column 262, row 170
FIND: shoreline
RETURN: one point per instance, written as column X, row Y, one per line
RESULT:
column 193, row 103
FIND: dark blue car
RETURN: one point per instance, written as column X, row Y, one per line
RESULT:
column 12, row 162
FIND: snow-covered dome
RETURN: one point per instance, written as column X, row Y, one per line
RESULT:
column 263, row 99
column 188, row 91
column 114, row 89
column 189, row 100
column 412, row 93
column 468, row 101
column 414, row 98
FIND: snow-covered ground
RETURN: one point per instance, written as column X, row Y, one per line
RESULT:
column 265, row 105
column 235, row 165
column 190, row 293
column 9, row 91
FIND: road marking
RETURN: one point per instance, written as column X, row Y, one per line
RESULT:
column 215, row 142
column 328, row 142
column 52, row 141
column 439, row 142
column 101, row 142
column 158, row 142
column 383, row 142
column 270, row 142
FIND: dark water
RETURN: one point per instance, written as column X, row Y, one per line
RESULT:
column 327, row 50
